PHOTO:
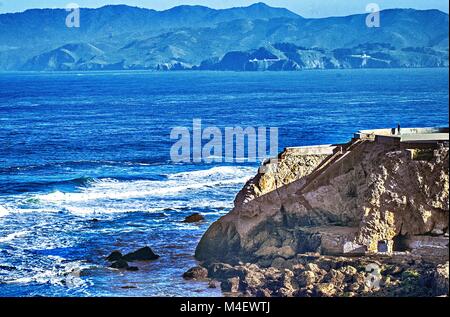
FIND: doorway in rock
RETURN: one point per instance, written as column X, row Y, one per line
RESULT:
column 383, row 246
column 400, row 243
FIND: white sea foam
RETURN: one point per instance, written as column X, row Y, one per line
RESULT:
column 192, row 189
column 13, row 236
column 3, row 211
column 110, row 189
column 130, row 190
column 219, row 171
column 60, row 274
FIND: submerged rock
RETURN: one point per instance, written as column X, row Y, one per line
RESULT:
column 7, row 268
column 120, row 264
column 143, row 254
column 194, row 218
column 120, row 261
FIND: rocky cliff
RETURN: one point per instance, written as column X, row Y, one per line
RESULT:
column 290, row 57
column 362, row 197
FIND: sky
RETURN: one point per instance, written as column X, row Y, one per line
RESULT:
column 306, row 8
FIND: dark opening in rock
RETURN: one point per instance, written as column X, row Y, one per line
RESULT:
column 400, row 243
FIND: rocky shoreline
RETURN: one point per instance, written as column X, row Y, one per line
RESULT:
column 321, row 276
column 366, row 218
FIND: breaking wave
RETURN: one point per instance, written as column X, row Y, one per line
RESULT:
column 199, row 188
column 3, row 211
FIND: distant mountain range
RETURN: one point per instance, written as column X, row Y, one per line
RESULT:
column 251, row 38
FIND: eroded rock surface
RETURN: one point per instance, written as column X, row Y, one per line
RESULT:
column 363, row 201
column 196, row 273
column 327, row 276
column 440, row 280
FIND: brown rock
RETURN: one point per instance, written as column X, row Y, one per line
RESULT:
column 196, row 217
column 354, row 287
column 313, row 267
column 224, row 271
column 306, row 278
column 334, row 277
column 143, row 254
column 213, row 284
column 263, row 292
column 349, row 273
column 253, row 279
column 284, row 292
column 230, row 285
column 360, row 278
column 440, row 282
column 196, row 273
column 324, row 290
column 303, row 292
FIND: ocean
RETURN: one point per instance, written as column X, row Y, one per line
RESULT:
column 85, row 164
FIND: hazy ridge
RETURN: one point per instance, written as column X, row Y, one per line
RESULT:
column 257, row 37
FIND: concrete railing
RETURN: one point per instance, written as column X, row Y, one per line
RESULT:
column 394, row 131
column 311, row 150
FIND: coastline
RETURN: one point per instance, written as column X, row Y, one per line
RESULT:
column 183, row 71
column 64, row 229
column 292, row 232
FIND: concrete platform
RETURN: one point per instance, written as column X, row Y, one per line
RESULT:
column 424, row 137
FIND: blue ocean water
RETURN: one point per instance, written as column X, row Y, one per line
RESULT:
column 85, row 166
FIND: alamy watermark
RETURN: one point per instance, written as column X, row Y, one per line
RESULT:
column 230, row 144
column 73, row 18
column 373, row 18
column 373, row 276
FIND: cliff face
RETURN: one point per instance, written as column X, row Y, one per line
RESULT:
column 290, row 57
column 292, row 165
column 365, row 198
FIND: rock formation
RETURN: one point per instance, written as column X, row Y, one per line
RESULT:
column 325, row 276
column 364, row 197
column 196, row 217
column 196, row 273
column 120, row 261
